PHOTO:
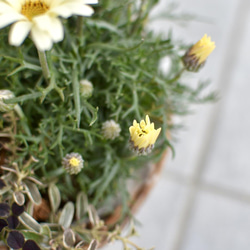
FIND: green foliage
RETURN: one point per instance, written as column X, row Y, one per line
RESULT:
column 121, row 58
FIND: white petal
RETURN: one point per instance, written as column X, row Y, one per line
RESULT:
column 59, row 3
column 50, row 24
column 41, row 39
column 54, row 3
column 84, row 1
column 56, row 30
column 91, row 1
column 83, row 10
column 19, row 32
column 62, row 11
column 68, row 9
column 5, row 8
column 73, row 1
column 16, row 4
column 8, row 18
column 42, row 22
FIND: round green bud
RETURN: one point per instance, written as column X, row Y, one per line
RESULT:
column 86, row 88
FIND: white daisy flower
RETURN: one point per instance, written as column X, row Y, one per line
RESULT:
column 40, row 18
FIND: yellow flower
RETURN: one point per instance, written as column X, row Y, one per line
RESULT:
column 40, row 18
column 73, row 163
column 196, row 56
column 143, row 136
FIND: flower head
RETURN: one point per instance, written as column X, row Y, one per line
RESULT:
column 196, row 56
column 40, row 18
column 86, row 88
column 6, row 94
column 143, row 136
column 73, row 163
column 111, row 129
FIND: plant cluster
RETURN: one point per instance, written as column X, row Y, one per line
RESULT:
column 69, row 117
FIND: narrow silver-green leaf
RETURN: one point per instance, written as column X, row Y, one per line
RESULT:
column 69, row 238
column 93, row 216
column 93, row 245
column 29, row 222
column 45, row 230
column 30, row 208
column 67, row 214
column 106, row 182
column 95, row 116
column 105, row 25
column 76, row 93
column 93, row 110
column 23, row 98
column 19, row 198
column 81, row 205
column 80, row 244
column 4, row 189
column 29, row 235
column 33, row 192
column 54, row 197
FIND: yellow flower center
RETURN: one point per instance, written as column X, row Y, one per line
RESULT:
column 74, row 162
column 33, row 8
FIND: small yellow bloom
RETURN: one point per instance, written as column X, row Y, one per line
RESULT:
column 73, row 163
column 196, row 56
column 143, row 136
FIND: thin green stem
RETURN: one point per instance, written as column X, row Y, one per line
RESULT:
column 138, row 21
column 177, row 76
column 76, row 93
column 79, row 26
column 44, row 65
column 23, row 98
column 23, row 118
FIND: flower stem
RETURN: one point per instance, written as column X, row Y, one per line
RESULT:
column 79, row 26
column 177, row 76
column 44, row 65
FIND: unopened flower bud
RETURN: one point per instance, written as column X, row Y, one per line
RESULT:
column 196, row 56
column 143, row 136
column 86, row 88
column 6, row 94
column 111, row 129
column 73, row 163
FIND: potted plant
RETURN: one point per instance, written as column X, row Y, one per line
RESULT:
column 85, row 112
